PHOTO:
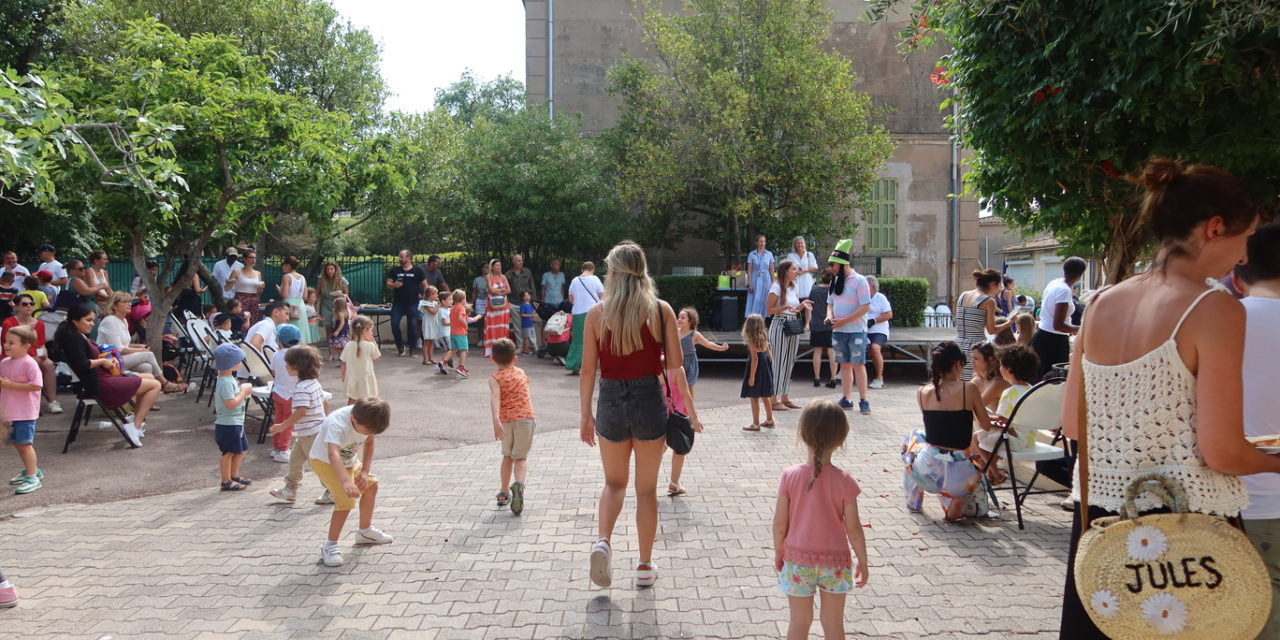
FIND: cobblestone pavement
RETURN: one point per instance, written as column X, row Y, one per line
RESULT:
column 204, row 564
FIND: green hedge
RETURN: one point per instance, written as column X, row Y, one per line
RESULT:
column 908, row 296
column 688, row 291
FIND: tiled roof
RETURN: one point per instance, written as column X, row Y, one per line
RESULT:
column 1043, row 242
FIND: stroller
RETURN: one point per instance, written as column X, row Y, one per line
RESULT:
column 559, row 332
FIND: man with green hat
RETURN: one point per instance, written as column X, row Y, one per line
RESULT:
column 847, row 307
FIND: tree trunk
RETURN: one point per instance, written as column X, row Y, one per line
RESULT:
column 1128, row 240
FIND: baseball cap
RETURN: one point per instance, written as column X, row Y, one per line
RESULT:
column 232, row 251
column 46, row 247
column 227, row 356
column 288, row 335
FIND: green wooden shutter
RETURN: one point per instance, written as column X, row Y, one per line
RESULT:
column 882, row 224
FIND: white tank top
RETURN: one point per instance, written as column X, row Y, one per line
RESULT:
column 1142, row 417
column 245, row 284
column 297, row 284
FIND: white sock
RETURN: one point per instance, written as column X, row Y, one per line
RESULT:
column 330, row 543
column 4, row 584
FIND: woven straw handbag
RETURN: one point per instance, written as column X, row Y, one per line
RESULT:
column 1176, row 575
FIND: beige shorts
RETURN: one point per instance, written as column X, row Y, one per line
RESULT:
column 989, row 441
column 517, row 438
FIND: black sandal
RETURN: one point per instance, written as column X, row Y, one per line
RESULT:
column 232, row 485
column 244, row 481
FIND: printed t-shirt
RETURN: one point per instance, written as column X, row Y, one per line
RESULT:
column 1009, row 398
column 526, row 322
column 337, row 429
column 514, row 402
column 1261, row 402
column 856, row 294
column 411, row 279
column 282, row 383
column 879, row 306
column 226, row 389
column 22, row 405
column 308, row 396
column 7, row 294
column 1055, row 293
column 815, row 527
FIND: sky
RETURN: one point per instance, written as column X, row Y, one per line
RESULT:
column 427, row 44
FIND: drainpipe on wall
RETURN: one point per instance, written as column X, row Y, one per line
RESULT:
column 954, row 222
column 551, row 21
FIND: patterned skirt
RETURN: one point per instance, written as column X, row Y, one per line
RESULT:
column 495, row 327
column 249, row 302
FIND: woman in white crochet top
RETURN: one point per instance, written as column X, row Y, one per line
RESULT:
column 1164, row 368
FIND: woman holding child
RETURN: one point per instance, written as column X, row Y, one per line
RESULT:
column 626, row 336
column 1164, row 390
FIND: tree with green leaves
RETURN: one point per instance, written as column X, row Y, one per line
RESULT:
column 745, row 121
column 470, row 99
column 1060, row 106
column 245, row 151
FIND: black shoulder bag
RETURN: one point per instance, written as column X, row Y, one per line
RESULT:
column 679, row 429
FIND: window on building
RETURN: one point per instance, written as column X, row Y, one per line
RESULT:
column 881, row 222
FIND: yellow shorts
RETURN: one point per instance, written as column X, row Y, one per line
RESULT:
column 329, row 478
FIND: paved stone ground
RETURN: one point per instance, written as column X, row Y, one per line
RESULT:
column 203, row 564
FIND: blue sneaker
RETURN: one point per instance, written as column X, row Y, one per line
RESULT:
column 845, row 404
column 864, row 406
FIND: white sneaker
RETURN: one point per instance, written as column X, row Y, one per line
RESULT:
column 1067, row 504
column 284, row 493
column 600, row 553
column 280, row 455
column 876, row 384
column 372, row 536
column 326, row 498
column 646, row 574
column 330, row 555
column 132, row 435
column 55, row 408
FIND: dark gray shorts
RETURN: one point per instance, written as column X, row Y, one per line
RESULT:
column 635, row 408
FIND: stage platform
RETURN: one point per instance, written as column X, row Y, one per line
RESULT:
column 907, row 345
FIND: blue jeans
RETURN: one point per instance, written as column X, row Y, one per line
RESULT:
column 398, row 311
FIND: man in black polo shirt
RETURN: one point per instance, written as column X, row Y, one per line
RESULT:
column 406, row 283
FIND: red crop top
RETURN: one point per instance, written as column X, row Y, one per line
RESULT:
column 637, row 364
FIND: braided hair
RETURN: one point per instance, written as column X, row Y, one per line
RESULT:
column 943, row 358
column 823, row 428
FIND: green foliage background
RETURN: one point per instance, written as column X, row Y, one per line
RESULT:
column 908, row 297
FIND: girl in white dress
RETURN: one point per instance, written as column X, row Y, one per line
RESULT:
column 431, row 329
column 357, row 360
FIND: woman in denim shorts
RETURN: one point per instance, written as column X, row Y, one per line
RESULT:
column 624, row 336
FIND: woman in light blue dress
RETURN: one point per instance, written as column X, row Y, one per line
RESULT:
column 759, row 277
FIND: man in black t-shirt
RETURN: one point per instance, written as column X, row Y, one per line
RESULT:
column 407, row 283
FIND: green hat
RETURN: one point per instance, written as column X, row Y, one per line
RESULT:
column 841, row 253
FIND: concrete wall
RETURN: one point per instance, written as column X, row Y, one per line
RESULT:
column 588, row 37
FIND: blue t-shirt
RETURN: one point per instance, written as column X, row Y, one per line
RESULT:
column 526, row 322
column 226, row 389
column 857, row 292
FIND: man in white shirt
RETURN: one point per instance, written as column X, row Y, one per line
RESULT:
column 48, row 263
column 264, row 332
column 1053, row 341
column 1259, row 280
column 11, row 266
column 223, row 269
column 878, row 329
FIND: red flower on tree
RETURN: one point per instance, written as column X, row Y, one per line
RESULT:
column 939, row 76
column 1109, row 168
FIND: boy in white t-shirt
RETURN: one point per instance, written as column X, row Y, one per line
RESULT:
column 307, row 409
column 282, row 383
column 333, row 459
column 1259, row 280
column 1019, row 365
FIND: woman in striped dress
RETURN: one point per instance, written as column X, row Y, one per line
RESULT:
column 976, row 315
column 783, row 303
column 497, row 312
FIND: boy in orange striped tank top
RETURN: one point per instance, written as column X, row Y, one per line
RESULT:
column 512, row 410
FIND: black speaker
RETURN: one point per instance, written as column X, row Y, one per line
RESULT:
column 724, row 313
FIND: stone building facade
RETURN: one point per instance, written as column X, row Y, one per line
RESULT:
column 915, row 227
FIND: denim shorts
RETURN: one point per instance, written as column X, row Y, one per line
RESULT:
column 878, row 338
column 230, row 438
column 850, row 347
column 24, row 432
column 634, row 408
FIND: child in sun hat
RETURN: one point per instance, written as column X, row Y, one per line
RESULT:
column 230, row 398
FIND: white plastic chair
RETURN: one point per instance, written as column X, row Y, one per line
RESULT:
column 930, row 317
column 1040, row 408
column 943, row 315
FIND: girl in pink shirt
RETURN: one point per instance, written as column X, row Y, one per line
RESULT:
column 815, row 523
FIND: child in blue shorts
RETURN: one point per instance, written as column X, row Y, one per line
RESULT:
column 230, row 397
column 20, row 384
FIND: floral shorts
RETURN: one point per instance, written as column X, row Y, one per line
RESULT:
column 802, row 581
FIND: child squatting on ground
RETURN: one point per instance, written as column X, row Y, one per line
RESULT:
column 230, row 397
column 814, row 525
column 333, row 460
column 512, row 409
column 307, row 410
column 20, row 383
column 1019, row 365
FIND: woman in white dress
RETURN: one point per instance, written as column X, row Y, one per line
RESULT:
column 806, row 263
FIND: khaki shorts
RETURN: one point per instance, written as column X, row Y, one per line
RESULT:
column 517, row 438
column 329, row 478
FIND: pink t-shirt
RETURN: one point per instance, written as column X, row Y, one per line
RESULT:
column 20, row 405
column 815, row 526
